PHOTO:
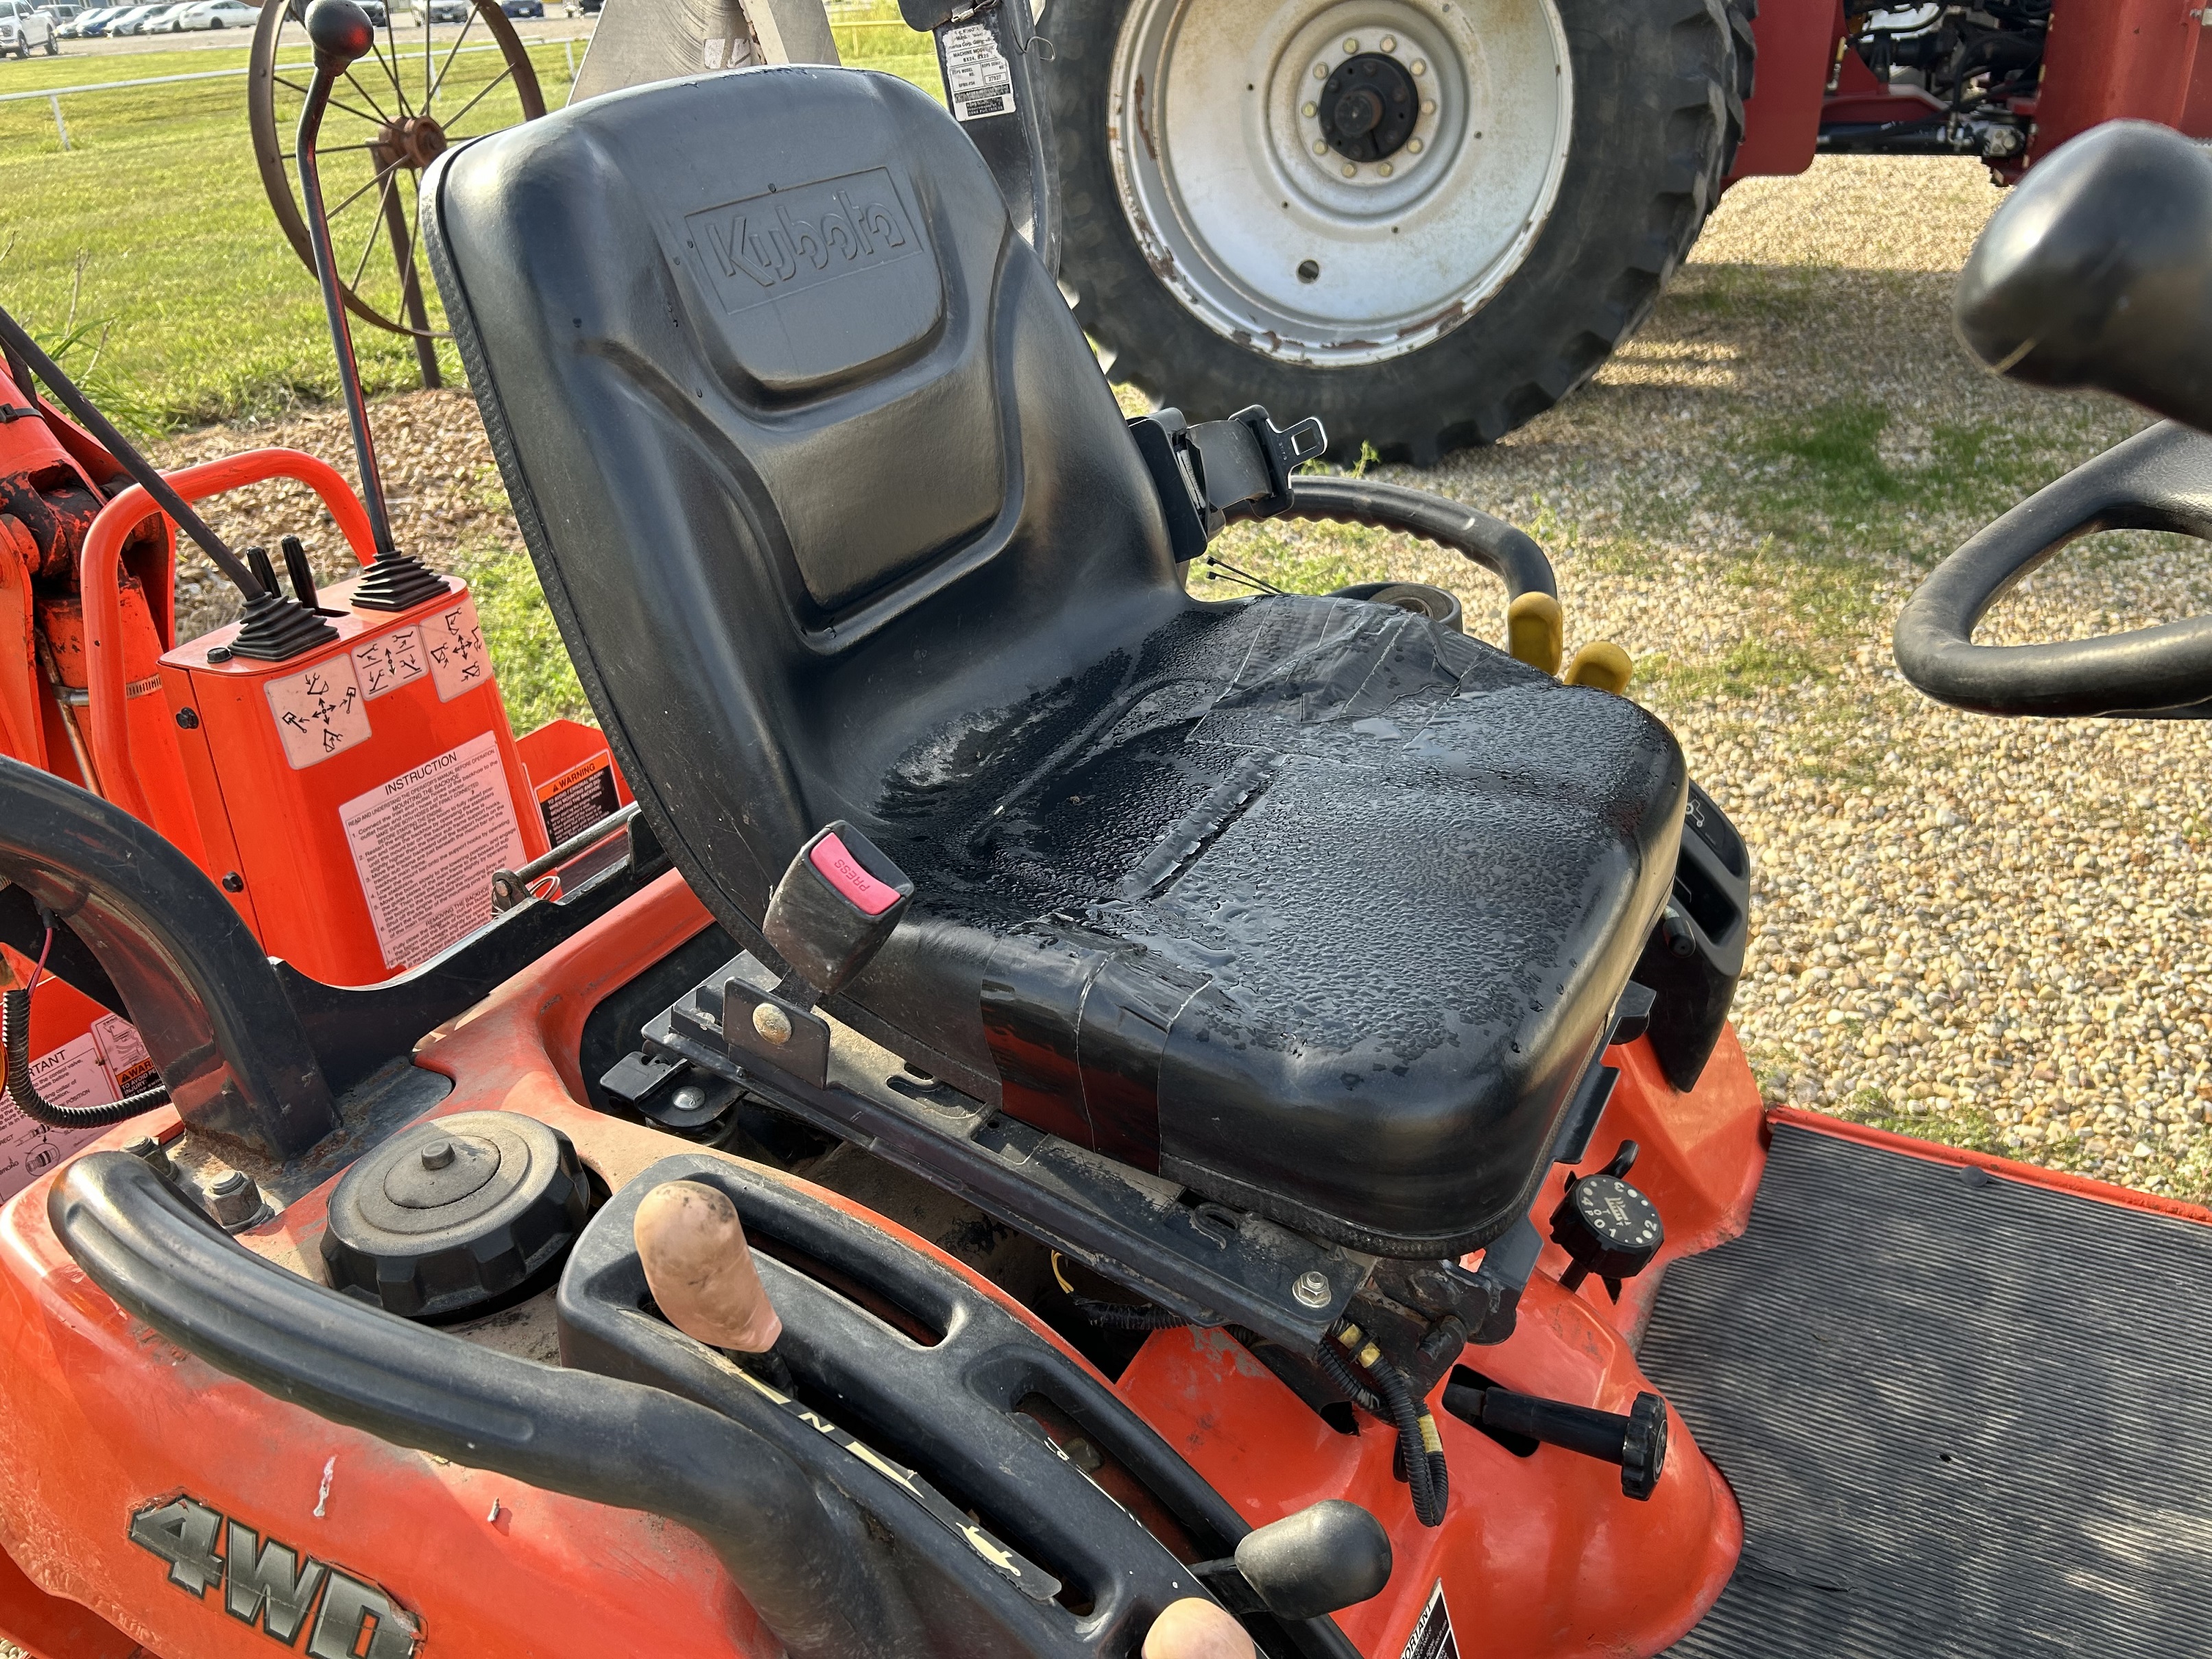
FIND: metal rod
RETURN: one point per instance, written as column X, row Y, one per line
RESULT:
column 60, row 125
column 510, row 887
column 319, row 234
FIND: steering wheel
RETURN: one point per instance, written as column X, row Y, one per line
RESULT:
column 2096, row 272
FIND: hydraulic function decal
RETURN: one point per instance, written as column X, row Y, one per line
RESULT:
column 104, row 1061
column 266, row 1583
column 977, row 76
column 425, row 846
column 458, row 661
column 320, row 712
column 1432, row 1638
column 578, row 798
column 389, row 661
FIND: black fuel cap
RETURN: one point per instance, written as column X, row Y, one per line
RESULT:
column 449, row 1214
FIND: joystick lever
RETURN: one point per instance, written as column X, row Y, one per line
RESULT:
column 1606, row 1226
column 342, row 33
column 1637, row 1441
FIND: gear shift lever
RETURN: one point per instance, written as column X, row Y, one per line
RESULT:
column 342, row 33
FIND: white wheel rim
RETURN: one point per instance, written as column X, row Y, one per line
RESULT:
column 1214, row 137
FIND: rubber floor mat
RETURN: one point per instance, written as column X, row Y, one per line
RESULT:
column 1964, row 1416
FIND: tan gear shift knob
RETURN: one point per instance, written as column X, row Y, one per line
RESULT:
column 1194, row 1628
column 695, row 1259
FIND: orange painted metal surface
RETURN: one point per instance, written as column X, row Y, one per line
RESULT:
column 285, row 758
column 1540, row 1557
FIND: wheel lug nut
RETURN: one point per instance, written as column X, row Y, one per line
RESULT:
column 1420, row 66
column 1428, row 107
column 1414, row 145
column 1320, row 71
column 1389, row 43
column 1349, row 171
column 1350, row 46
column 1320, row 147
column 1384, row 169
column 1310, row 110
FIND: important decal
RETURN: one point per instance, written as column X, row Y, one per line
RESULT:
column 320, row 712
column 425, row 846
column 270, row 1585
column 1432, row 1637
column 976, row 75
column 770, row 246
column 98, row 1066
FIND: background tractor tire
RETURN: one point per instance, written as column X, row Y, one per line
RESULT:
column 1231, row 235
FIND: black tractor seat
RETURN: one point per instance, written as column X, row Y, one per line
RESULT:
column 1305, row 904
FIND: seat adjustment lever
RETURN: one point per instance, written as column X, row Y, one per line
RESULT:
column 1637, row 1441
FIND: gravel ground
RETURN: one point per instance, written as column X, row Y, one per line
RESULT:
column 1990, row 933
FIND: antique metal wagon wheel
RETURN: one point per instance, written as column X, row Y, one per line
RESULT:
column 391, row 116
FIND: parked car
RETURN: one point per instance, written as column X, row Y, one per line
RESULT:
column 377, row 14
column 23, row 27
column 582, row 8
column 86, row 24
column 523, row 8
column 219, row 14
column 445, row 11
column 164, row 20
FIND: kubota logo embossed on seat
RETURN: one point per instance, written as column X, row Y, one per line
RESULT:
column 769, row 246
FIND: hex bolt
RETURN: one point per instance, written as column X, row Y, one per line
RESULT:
column 1320, row 147
column 1310, row 111
column 1386, row 169
column 1349, row 171
column 438, row 1155
column 1320, row 71
column 1350, row 47
column 188, row 718
column 234, row 1200
column 234, row 883
column 1389, row 43
column 1311, row 1288
column 1414, row 145
column 771, row 1022
column 1428, row 107
column 1420, row 66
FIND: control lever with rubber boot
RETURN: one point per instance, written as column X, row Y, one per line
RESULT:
column 342, row 33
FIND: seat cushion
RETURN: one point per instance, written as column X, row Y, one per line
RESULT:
column 1305, row 903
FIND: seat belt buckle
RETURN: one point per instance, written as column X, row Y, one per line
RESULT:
column 835, row 906
column 1282, row 451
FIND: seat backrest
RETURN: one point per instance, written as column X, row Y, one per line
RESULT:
column 751, row 349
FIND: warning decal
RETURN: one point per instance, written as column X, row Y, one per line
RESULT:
column 976, row 77
column 389, row 661
column 572, row 802
column 1432, row 1638
column 458, row 661
column 425, row 846
column 320, row 712
column 83, row 1072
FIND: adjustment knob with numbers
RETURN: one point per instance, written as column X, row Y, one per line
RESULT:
column 1606, row 1226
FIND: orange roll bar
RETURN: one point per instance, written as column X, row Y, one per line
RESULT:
column 99, row 578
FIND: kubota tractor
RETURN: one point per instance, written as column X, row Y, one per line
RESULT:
column 1066, row 1120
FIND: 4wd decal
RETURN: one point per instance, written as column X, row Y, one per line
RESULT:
column 271, row 1585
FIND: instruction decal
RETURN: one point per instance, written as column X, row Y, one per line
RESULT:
column 1432, row 1637
column 320, row 712
column 100, row 1064
column 389, row 661
column 425, row 846
column 455, row 645
column 977, row 76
